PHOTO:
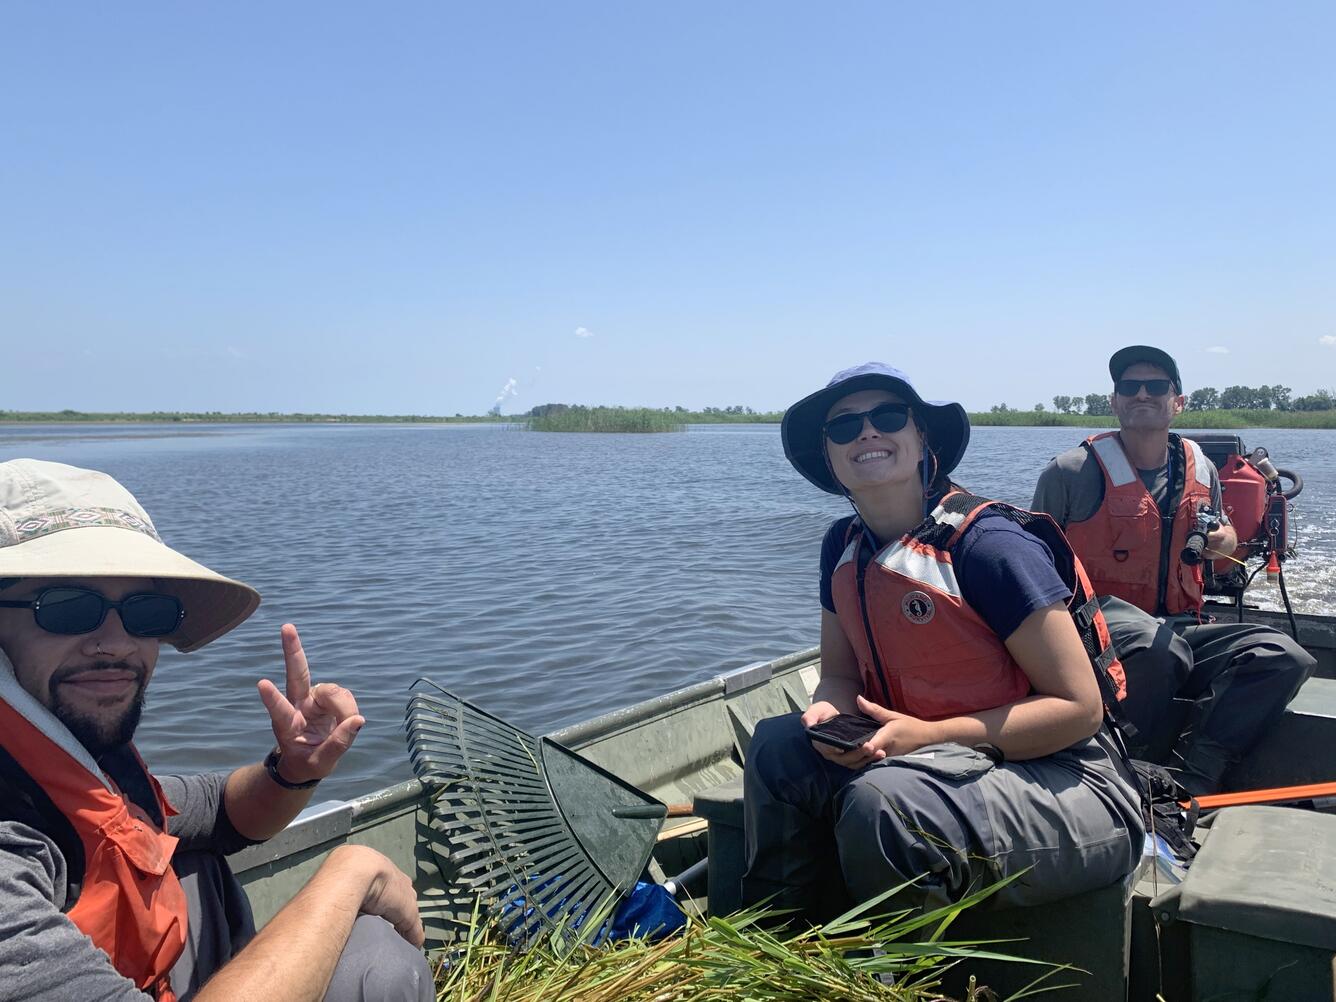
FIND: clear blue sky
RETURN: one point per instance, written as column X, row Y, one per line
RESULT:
column 402, row 207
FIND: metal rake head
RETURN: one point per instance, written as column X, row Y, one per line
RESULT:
column 542, row 835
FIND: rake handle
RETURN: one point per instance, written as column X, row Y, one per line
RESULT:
column 647, row 811
column 1275, row 795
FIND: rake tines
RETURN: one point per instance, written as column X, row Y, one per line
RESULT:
column 541, row 835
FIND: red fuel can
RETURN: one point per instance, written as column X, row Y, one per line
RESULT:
column 1245, row 499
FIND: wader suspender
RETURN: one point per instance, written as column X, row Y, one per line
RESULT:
column 1175, row 484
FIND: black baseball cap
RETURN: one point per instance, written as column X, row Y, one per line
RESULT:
column 1124, row 358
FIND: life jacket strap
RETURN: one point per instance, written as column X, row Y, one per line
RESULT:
column 1100, row 660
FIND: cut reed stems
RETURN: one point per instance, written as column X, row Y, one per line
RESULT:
column 899, row 956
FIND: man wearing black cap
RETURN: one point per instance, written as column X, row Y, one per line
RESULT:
column 1127, row 501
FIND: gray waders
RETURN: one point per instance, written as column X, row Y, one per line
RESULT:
column 1234, row 681
column 821, row 837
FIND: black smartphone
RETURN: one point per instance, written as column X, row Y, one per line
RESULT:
column 847, row 731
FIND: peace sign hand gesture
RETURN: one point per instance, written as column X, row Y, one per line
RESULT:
column 314, row 724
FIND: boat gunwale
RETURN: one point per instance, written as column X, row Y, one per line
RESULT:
column 335, row 820
column 316, row 824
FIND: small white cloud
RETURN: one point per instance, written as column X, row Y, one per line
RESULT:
column 583, row 332
column 1328, row 339
column 1218, row 349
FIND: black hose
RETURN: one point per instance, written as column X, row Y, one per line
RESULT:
column 1289, row 610
column 1246, row 583
column 1296, row 483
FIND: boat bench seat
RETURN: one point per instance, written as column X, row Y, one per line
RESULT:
column 1259, row 904
column 1091, row 931
column 721, row 806
column 1301, row 747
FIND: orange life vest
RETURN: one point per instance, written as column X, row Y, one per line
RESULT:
column 1125, row 548
column 921, row 649
column 129, row 901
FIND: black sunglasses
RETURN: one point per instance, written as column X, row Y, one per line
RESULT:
column 886, row 418
column 71, row 611
column 1130, row 387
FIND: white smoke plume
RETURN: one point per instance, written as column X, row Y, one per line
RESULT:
column 583, row 332
column 1217, row 349
column 1328, row 339
column 509, row 390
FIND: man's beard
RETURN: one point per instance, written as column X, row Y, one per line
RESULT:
column 100, row 734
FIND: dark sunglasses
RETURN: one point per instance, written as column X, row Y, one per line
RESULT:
column 72, row 611
column 1130, row 387
column 886, row 418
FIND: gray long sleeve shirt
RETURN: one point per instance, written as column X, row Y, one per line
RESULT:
column 43, row 955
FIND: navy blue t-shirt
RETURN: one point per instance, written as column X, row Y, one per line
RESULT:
column 1004, row 572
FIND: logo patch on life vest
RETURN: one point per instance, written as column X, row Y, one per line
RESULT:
column 917, row 607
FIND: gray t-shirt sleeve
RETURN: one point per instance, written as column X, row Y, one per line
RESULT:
column 201, row 821
column 43, row 955
column 1071, row 487
column 1050, row 494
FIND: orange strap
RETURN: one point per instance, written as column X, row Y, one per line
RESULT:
column 1275, row 795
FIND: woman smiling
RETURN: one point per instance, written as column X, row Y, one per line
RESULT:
column 968, row 669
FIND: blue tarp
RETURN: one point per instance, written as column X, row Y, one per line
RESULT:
column 648, row 911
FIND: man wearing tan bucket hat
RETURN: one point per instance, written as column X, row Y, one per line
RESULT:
column 113, row 883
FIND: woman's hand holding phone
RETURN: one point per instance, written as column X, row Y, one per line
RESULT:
column 831, row 734
column 819, row 712
column 898, row 733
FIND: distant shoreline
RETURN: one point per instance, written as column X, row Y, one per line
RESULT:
column 1222, row 419
column 1213, row 419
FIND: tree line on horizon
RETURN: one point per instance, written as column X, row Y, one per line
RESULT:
column 1207, row 398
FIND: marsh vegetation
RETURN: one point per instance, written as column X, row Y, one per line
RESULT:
column 855, row 958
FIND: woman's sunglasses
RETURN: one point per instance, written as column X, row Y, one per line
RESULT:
column 71, row 611
column 886, row 418
column 1131, row 387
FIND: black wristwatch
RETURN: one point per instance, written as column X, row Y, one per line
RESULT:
column 271, row 767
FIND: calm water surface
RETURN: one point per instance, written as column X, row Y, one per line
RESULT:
column 548, row 577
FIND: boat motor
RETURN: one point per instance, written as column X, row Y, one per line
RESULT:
column 1258, row 506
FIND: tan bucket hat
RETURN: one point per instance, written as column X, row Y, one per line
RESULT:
column 41, row 506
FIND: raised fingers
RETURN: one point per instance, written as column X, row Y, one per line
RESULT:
column 294, row 662
column 326, row 754
column 286, row 720
column 333, row 699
